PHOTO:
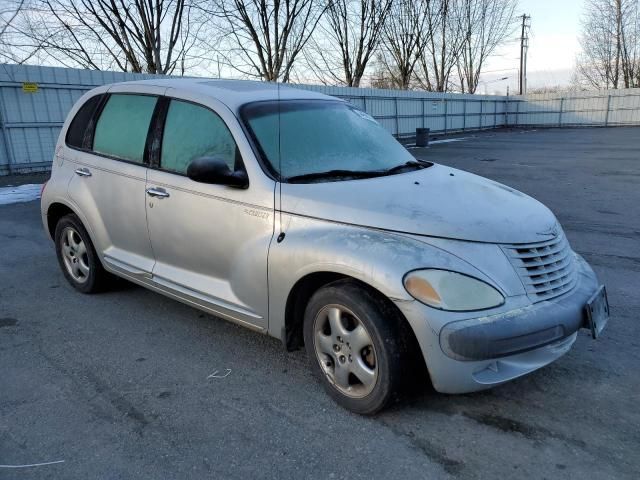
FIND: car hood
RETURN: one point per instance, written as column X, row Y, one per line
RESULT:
column 437, row 201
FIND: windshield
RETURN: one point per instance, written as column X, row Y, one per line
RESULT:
column 302, row 138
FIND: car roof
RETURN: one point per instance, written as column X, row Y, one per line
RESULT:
column 234, row 93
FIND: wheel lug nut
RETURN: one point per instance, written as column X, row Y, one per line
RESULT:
column 342, row 359
column 350, row 359
column 336, row 348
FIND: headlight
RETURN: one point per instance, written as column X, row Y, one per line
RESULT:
column 451, row 291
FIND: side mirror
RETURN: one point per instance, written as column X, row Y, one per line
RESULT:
column 215, row 170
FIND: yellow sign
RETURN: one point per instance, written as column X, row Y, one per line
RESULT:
column 29, row 87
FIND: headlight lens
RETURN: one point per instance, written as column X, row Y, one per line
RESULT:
column 451, row 291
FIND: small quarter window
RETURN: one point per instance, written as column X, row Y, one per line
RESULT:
column 78, row 126
column 191, row 132
column 123, row 125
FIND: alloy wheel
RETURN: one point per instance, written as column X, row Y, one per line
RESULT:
column 345, row 351
column 74, row 255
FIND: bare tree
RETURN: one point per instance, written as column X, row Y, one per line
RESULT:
column 443, row 43
column 10, row 10
column 547, row 89
column 403, row 40
column 380, row 75
column 346, row 39
column 8, row 13
column 263, row 38
column 485, row 24
column 128, row 35
column 630, row 43
column 610, row 56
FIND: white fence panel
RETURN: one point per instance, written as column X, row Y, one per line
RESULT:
column 30, row 118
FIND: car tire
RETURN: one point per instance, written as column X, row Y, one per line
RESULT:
column 77, row 256
column 354, row 341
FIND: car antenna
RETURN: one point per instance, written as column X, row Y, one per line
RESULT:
column 282, row 234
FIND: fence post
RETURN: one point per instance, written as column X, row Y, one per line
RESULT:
column 397, row 120
column 8, row 147
column 506, row 110
column 423, row 112
column 606, row 118
column 464, row 113
column 481, row 114
column 495, row 113
column 446, row 108
column 561, row 108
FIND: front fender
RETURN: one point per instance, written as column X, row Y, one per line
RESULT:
column 377, row 258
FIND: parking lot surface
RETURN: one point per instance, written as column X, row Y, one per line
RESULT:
column 119, row 385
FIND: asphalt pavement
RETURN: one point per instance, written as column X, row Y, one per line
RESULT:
column 120, row 385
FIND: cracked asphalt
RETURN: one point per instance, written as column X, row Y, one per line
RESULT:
column 115, row 385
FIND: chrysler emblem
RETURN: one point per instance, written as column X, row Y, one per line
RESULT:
column 553, row 231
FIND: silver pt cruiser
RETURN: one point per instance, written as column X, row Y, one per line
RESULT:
column 297, row 215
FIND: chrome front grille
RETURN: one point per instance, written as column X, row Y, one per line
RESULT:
column 547, row 269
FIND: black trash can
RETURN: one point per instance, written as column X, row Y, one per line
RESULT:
column 422, row 137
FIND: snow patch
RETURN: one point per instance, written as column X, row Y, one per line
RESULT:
column 448, row 140
column 21, row 193
column 444, row 140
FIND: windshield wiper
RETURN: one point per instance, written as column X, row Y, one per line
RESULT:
column 350, row 174
column 411, row 164
column 336, row 174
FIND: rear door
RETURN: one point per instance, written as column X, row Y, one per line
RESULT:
column 110, row 176
column 210, row 241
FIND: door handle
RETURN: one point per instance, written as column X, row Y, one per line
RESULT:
column 157, row 192
column 83, row 172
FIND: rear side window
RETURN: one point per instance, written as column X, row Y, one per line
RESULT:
column 121, row 130
column 192, row 131
column 78, row 126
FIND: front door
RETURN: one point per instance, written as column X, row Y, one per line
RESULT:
column 210, row 241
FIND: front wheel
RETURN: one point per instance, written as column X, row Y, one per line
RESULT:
column 353, row 340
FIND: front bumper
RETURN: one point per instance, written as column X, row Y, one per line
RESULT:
column 468, row 354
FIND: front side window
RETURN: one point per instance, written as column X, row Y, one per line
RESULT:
column 121, row 130
column 302, row 138
column 191, row 132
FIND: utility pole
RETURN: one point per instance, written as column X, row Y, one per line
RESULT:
column 524, row 47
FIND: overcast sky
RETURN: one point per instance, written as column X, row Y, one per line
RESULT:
column 553, row 45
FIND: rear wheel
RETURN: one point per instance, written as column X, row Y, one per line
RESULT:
column 354, row 343
column 77, row 256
